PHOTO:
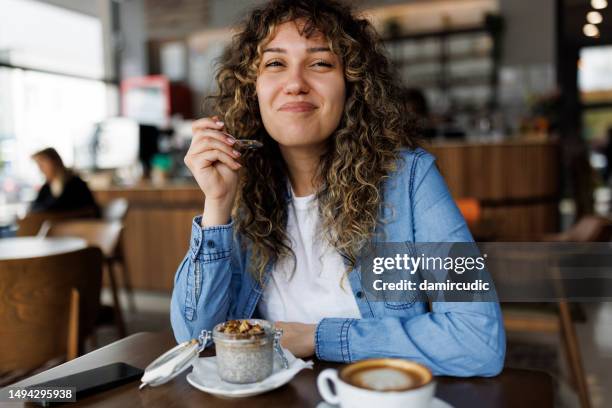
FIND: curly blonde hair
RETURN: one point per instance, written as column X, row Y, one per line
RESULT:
column 360, row 154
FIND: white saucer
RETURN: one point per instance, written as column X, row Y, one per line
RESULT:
column 436, row 403
column 247, row 391
column 204, row 377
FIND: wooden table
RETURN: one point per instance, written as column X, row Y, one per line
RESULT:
column 513, row 388
column 33, row 247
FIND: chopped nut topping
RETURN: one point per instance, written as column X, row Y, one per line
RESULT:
column 241, row 327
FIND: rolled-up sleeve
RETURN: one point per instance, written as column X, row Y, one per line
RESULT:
column 204, row 273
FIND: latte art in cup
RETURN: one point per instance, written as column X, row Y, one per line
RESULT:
column 384, row 378
column 381, row 382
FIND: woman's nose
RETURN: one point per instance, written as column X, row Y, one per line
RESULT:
column 296, row 83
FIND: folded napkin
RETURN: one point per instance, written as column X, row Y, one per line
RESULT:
column 205, row 369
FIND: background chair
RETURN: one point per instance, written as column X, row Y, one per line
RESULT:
column 48, row 306
column 101, row 234
column 590, row 228
column 116, row 210
column 559, row 320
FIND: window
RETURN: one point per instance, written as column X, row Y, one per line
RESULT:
column 594, row 77
column 52, row 82
column 38, row 35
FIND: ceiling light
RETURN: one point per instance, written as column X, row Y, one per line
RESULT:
column 594, row 17
column 599, row 4
column 590, row 30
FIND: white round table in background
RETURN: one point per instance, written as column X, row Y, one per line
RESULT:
column 33, row 247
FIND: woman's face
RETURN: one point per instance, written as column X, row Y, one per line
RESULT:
column 46, row 167
column 300, row 88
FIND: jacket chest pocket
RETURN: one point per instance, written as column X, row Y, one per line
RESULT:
column 400, row 301
column 406, row 296
column 396, row 292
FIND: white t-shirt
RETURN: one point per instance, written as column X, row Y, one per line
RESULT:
column 314, row 290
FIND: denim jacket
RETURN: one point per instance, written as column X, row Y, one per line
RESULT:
column 453, row 338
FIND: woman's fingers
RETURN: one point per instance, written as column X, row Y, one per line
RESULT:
column 210, row 144
column 216, row 134
column 207, row 158
column 205, row 141
column 207, row 123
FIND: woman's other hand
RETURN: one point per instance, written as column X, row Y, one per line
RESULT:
column 213, row 162
column 298, row 338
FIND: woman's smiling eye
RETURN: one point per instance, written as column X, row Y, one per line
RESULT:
column 319, row 63
column 322, row 63
column 274, row 64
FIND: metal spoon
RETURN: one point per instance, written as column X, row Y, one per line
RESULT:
column 248, row 144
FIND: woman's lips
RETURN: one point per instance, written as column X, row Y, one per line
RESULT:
column 297, row 107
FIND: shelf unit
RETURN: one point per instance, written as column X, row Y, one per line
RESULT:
column 456, row 68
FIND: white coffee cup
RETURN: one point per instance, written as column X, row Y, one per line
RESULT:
column 378, row 383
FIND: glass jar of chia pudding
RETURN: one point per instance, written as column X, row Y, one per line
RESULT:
column 245, row 350
column 245, row 353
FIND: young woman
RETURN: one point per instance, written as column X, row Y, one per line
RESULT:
column 283, row 226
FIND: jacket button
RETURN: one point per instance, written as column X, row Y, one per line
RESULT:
column 210, row 243
column 359, row 294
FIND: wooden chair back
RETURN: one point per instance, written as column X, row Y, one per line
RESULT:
column 46, row 303
column 98, row 233
column 30, row 225
column 536, row 317
column 105, row 235
column 590, row 228
column 116, row 209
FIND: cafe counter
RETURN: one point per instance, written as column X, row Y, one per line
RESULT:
column 516, row 184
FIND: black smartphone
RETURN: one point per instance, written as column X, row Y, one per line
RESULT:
column 94, row 380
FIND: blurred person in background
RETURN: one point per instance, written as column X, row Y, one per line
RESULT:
column 416, row 102
column 63, row 190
